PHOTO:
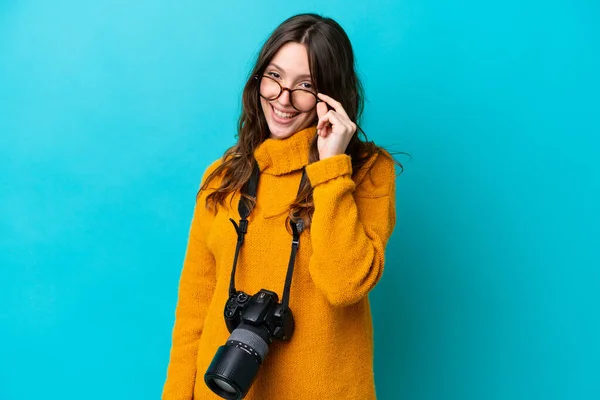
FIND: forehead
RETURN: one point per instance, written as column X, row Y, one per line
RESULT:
column 292, row 58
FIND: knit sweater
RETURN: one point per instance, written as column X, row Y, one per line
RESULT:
column 340, row 259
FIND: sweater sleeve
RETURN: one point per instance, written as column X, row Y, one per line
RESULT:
column 350, row 227
column 196, row 286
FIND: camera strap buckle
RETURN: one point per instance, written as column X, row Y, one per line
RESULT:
column 241, row 229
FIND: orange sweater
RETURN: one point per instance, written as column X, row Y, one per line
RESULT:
column 340, row 259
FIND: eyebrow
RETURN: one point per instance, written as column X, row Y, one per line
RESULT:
column 281, row 69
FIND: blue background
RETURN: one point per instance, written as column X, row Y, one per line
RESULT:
column 110, row 111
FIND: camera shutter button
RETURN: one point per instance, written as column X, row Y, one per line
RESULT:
column 242, row 297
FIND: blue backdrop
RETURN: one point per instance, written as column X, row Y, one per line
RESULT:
column 110, row 111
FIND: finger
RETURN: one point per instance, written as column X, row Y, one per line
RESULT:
column 333, row 118
column 326, row 120
column 337, row 106
column 323, row 133
column 321, row 109
column 323, row 121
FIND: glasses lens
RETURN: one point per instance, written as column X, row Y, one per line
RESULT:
column 303, row 100
column 269, row 89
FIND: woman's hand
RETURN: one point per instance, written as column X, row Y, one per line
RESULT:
column 335, row 129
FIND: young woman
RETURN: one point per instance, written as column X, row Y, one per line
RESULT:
column 319, row 187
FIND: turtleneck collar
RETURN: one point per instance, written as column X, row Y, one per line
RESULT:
column 282, row 156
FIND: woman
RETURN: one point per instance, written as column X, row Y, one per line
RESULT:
column 298, row 125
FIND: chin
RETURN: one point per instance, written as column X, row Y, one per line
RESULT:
column 277, row 132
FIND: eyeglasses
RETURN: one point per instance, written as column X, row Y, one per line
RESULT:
column 301, row 99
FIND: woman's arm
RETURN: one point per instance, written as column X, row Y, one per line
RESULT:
column 351, row 226
column 196, row 286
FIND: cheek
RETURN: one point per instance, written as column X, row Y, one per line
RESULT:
column 307, row 120
column 311, row 116
column 264, row 106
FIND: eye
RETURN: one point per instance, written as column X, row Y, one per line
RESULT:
column 306, row 85
column 274, row 74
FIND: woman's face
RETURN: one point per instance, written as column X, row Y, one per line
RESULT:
column 289, row 67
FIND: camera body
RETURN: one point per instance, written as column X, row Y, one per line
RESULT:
column 261, row 310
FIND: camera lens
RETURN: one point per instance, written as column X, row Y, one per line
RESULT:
column 225, row 386
column 235, row 365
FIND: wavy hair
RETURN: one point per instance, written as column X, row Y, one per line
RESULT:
column 327, row 44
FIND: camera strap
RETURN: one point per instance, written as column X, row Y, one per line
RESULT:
column 297, row 227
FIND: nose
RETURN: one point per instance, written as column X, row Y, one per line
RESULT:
column 284, row 98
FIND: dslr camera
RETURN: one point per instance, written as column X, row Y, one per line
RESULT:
column 253, row 322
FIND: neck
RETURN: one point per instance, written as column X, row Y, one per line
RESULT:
column 282, row 156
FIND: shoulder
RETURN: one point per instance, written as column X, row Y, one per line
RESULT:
column 212, row 167
column 209, row 173
column 377, row 175
column 210, row 182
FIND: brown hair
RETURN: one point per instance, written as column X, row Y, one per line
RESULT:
column 327, row 44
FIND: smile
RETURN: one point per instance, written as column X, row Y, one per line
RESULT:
column 282, row 114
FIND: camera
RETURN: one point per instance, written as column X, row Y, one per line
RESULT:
column 253, row 322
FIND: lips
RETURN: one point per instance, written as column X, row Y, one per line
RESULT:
column 283, row 117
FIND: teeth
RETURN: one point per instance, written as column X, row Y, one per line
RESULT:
column 282, row 114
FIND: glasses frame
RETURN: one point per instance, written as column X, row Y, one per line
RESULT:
column 282, row 89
